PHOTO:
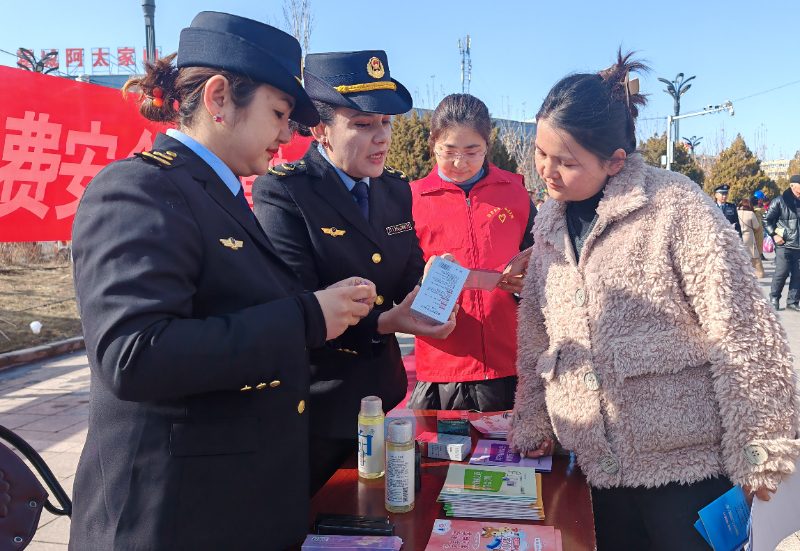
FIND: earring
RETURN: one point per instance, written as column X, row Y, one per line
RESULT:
column 217, row 118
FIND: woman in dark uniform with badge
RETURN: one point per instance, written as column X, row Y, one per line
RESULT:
column 337, row 213
column 196, row 331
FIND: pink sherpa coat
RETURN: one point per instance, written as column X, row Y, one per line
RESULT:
column 656, row 358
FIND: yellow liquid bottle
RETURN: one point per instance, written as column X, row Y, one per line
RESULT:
column 371, row 438
column 400, row 467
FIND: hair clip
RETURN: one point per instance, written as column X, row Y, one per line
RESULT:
column 631, row 88
column 157, row 94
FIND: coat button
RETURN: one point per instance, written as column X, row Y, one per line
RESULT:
column 273, row 384
column 609, row 464
column 261, row 385
column 580, row 297
column 301, row 407
column 379, row 300
column 376, row 258
column 245, row 387
column 592, row 381
column 755, row 454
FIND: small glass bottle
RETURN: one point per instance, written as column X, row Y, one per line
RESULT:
column 370, row 438
column 400, row 467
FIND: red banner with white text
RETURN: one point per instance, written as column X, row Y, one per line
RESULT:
column 55, row 135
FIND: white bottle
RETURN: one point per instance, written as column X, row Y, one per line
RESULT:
column 400, row 467
column 370, row 438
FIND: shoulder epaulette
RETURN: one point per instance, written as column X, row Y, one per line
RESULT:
column 164, row 159
column 288, row 169
column 395, row 173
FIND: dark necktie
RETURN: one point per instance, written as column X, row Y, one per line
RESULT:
column 361, row 192
column 245, row 204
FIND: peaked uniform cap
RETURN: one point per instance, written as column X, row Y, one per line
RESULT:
column 358, row 80
column 256, row 50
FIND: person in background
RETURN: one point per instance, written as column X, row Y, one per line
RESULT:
column 645, row 343
column 751, row 231
column 728, row 209
column 757, row 202
column 781, row 222
column 197, row 332
column 483, row 216
column 339, row 210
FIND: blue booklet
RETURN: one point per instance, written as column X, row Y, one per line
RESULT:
column 723, row 523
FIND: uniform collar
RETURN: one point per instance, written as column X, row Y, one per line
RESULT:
column 348, row 181
column 222, row 170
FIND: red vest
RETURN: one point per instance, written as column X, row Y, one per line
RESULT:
column 482, row 231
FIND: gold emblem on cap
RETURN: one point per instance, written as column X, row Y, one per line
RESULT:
column 375, row 68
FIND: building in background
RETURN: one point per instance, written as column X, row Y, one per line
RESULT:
column 776, row 169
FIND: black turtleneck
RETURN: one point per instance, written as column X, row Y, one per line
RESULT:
column 581, row 218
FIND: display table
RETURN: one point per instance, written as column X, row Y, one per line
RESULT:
column 567, row 498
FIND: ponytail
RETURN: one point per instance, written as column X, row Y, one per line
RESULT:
column 598, row 110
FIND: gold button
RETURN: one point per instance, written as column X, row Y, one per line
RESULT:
column 379, row 300
column 301, row 407
column 261, row 385
column 246, row 388
column 273, row 384
column 376, row 258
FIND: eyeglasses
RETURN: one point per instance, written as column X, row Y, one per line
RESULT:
column 452, row 155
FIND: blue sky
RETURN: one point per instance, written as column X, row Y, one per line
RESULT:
column 519, row 49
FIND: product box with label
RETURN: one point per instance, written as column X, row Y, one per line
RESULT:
column 452, row 447
column 439, row 292
column 452, row 422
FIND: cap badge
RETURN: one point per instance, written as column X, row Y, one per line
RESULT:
column 375, row 68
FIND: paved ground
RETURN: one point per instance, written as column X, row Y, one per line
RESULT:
column 47, row 404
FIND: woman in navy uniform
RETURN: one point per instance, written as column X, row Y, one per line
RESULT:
column 337, row 213
column 196, row 331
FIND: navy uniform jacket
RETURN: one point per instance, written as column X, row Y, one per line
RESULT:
column 316, row 225
column 199, row 370
column 729, row 212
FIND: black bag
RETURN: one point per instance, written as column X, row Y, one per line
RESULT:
column 22, row 496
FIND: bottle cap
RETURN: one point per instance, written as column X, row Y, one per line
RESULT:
column 371, row 406
column 400, row 431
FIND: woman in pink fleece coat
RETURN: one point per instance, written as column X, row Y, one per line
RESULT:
column 645, row 343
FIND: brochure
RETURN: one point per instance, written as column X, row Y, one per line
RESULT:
column 724, row 522
column 462, row 534
column 488, row 280
column 439, row 292
column 498, row 453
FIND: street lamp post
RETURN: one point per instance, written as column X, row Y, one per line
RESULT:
column 727, row 106
column 676, row 89
column 30, row 63
column 693, row 142
column 149, row 9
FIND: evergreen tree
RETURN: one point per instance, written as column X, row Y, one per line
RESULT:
column 656, row 146
column 740, row 169
column 409, row 151
column 499, row 155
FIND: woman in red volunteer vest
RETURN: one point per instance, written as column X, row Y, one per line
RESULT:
column 482, row 215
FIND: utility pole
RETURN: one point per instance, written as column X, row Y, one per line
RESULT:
column 149, row 9
column 466, row 62
column 676, row 89
column 727, row 106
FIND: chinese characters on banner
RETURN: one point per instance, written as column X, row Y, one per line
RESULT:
column 54, row 140
column 126, row 57
column 74, row 58
column 101, row 61
column 21, row 61
column 56, row 137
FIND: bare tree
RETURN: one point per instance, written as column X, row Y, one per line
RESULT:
column 299, row 21
column 518, row 139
